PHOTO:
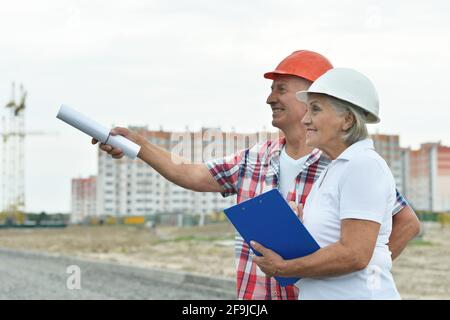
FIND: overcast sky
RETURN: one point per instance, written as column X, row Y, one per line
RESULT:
column 200, row 63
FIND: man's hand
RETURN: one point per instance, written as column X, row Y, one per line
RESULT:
column 115, row 152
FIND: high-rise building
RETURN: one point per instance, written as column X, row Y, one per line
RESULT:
column 406, row 169
column 429, row 182
column 388, row 146
column 84, row 198
column 131, row 187
column 422, row 176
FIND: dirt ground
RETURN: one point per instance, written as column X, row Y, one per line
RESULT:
column 421, row 272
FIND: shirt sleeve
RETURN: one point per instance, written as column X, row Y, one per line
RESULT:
column 367, row 192
column 226, row 171
column 400, row 203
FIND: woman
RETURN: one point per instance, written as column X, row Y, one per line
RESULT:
column 349, row 209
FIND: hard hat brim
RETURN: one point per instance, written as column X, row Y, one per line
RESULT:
column 272, row 74
column 302, row 96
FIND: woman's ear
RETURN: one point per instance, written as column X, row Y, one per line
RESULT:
column 349, row 120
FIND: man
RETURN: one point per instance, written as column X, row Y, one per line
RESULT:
column 287, row 164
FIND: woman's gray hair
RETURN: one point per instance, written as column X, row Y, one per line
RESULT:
column 358, row 131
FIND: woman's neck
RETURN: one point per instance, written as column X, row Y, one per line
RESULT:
column 333, row 150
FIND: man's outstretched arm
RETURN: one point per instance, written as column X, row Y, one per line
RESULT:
column 172, row 167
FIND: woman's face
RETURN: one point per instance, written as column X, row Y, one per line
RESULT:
column 324, row 126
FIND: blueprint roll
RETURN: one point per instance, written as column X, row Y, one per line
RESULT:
column 97, row 131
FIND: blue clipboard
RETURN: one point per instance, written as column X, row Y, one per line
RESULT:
column 269, row 220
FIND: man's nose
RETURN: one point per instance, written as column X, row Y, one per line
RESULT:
column 271, row 99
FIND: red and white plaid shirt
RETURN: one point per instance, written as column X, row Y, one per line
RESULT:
column 248, row 174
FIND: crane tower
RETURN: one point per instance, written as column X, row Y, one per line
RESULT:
column 13, row 154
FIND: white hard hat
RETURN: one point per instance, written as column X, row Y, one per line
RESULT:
column 347, row 85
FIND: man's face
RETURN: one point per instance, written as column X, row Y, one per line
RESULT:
column 287, row 111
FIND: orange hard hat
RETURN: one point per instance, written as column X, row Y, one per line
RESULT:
column 303, row 63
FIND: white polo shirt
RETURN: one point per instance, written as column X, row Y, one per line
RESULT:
column 356, row 185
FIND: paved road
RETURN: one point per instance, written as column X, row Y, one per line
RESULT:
column 25, row 275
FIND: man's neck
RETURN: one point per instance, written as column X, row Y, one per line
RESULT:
column 296, row 147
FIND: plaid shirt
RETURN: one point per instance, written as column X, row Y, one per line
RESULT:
column 249, row 173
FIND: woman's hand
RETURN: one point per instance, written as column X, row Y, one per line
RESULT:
column 270, row 262
column 115, row 152
column 298, row 209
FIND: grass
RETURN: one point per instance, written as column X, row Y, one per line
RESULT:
column 421, row 243
column 198, row 238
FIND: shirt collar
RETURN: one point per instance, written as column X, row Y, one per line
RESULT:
column 275, row 153
column 356, row 149
column 279, row 145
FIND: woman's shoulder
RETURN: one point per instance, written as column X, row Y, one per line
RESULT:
column 369, row 162
column 368, row 158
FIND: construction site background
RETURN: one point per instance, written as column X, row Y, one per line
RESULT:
column 421, row 271
column 18, row 219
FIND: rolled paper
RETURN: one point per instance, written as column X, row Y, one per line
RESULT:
column 97, row 131
column 129, row 148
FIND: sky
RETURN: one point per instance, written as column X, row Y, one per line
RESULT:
column 177, row 64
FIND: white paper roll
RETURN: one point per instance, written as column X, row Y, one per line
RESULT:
column 97, row 131
column 83, row 123
column 128, row 147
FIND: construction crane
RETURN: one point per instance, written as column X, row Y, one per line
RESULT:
column 13, row 157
